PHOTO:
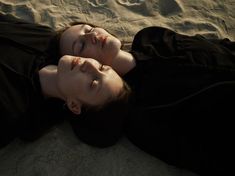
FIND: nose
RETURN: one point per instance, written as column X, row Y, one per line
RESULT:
column 90, row 67
column 92, row 36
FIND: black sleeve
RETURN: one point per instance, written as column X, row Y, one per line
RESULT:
column 196, row 75
column 40, row 119
column 164, row 44
column 35, row 37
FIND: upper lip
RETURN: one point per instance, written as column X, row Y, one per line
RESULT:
column 103, row 40
column 75, row 62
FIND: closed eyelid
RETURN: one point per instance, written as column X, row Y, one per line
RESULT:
column 73, row 47
column 79, row 45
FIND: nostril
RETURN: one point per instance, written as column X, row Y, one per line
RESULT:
column 83, row 67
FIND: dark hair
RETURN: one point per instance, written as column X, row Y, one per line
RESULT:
column 103, row 127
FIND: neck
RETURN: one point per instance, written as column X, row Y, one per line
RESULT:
column 48, row 80
column 123, row 63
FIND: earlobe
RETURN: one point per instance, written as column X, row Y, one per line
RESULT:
column 74, row 106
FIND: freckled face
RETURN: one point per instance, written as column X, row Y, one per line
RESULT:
column 86, row 41
column 87, row 80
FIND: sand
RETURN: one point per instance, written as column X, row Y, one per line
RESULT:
column 59, row 152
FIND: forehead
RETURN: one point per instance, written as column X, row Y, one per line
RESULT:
column 69, row 35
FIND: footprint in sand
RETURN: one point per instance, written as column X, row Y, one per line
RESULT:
column 206, row 29
column 97, row 3
column 23, row 10
column 169, row 7
column 130, row 2
column 143, row 7
column 5, row 7
column 26, row 11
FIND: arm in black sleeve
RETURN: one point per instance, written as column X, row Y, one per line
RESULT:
column 168, row 46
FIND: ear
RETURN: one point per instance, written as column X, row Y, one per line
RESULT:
column 74, row 105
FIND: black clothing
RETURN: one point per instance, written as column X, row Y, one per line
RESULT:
column 182, row 103
column 183, row 99
column 24, row 49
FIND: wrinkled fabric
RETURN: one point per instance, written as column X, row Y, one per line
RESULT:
column 182, row 105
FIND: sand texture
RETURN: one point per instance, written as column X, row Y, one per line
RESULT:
column 60, row 153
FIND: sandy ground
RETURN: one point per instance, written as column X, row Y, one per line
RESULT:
column 59, row 152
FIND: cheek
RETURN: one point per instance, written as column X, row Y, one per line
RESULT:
column 113, row 46
column 109, row 52
column 67, row 83
column 79, row 82
column 62, row 84
column 65, row 46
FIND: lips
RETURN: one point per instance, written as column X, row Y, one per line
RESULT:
column 103, row 40
column 75, row 62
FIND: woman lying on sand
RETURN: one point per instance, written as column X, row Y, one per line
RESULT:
column 36, row 82
column 183, row 93
column 182, row 86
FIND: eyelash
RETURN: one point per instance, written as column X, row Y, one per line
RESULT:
column 83, row 46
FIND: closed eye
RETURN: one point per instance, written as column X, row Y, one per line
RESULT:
column 78, row 47
column 82, row 47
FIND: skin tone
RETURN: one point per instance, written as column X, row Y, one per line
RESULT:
column 79, row 81
column 97, row 43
